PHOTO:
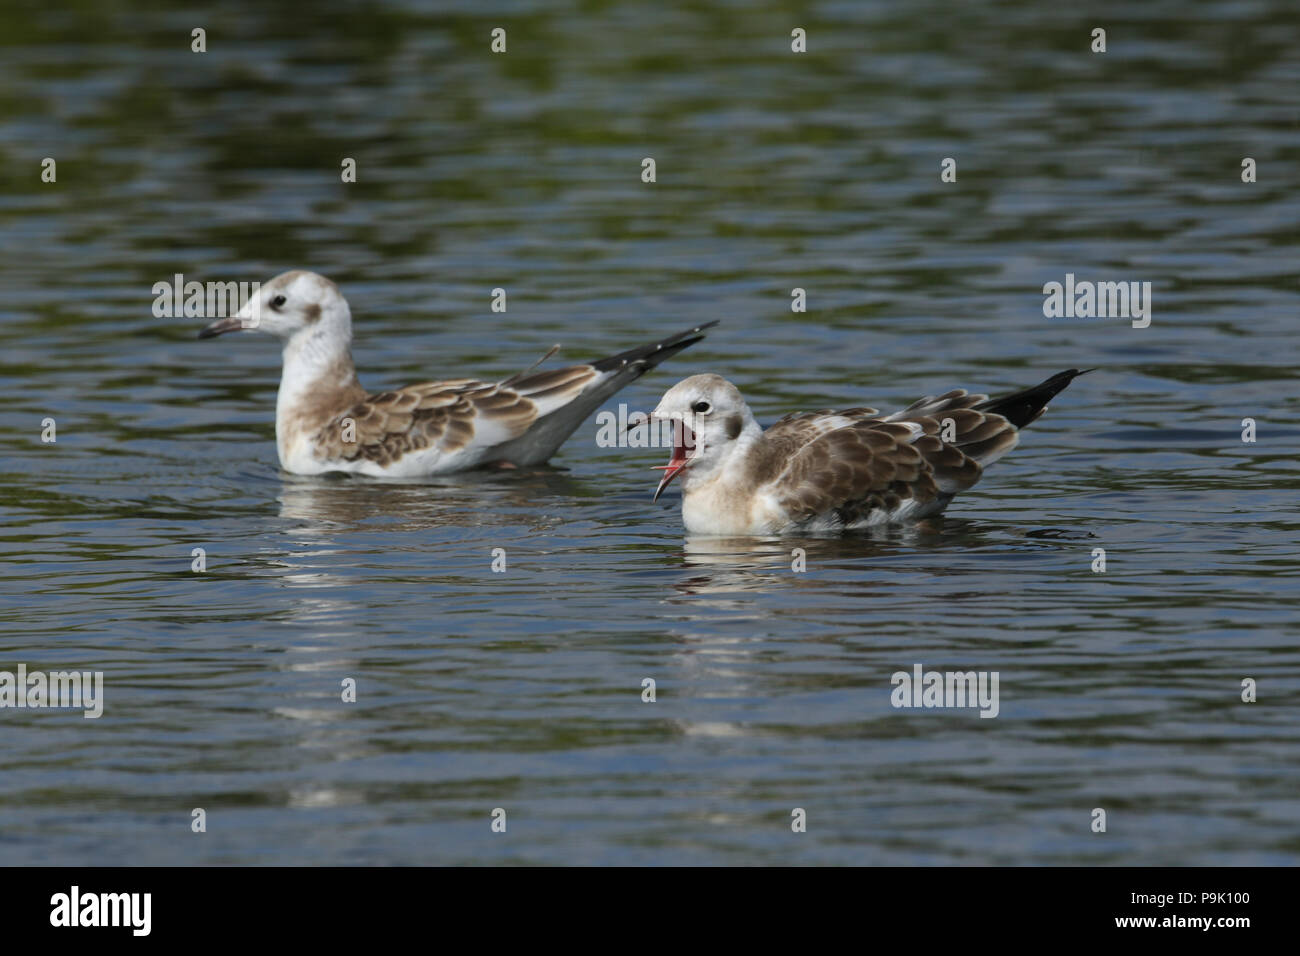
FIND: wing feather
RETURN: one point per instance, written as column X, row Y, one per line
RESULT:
column 852, row 464
column 445, row 416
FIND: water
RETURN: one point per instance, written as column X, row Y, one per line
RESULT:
column 522, row 690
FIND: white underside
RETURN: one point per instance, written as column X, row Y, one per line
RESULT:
column 419, row 464
column 719, row 514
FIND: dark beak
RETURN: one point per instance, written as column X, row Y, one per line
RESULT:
column 636, row 420
column 221, row 327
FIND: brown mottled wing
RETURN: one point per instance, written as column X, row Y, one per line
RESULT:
column 957, row 398
column 853, row 470
column 786, row 437
column 452, row 416
column 879, row 463
column 959, row 439
column 556, row 387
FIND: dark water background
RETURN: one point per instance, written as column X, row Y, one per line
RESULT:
column 522, row 690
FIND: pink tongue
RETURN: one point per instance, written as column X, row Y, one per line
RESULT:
column 681, row 436
column 679, row 455
column 675, row 464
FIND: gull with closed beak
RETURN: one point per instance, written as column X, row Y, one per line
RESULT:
column 326, row 422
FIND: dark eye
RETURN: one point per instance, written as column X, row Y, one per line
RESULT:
column 277, row 302
column 700, row 407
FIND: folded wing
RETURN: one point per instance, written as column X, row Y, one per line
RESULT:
column 856, row 465
column 449, row 417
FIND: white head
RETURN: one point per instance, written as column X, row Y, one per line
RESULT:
column 304, row 310
column 713, row 421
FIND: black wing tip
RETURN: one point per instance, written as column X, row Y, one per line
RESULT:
column 648, row 356
column 1022, row 407
column 1058, row 382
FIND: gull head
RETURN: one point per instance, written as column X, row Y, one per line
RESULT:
column 294, row 307
column 709, row 419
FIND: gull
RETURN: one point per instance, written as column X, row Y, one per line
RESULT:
column 831, row 471
column 326, row 422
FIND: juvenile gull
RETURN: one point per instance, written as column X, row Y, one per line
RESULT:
column 833, row 471
column 325, row 421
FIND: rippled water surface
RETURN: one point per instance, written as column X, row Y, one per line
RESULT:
column 522, row 690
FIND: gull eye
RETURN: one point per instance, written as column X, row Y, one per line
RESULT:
column 277, row 302
column 700, row 407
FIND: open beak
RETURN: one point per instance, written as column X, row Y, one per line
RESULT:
column 683, row 438
column 232, row 323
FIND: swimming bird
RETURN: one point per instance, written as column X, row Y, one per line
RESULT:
column 833, row 471
column 326, row 422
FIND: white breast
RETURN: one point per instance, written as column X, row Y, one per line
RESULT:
column 718, row 507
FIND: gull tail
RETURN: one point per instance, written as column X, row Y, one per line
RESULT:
column 1022, row 407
